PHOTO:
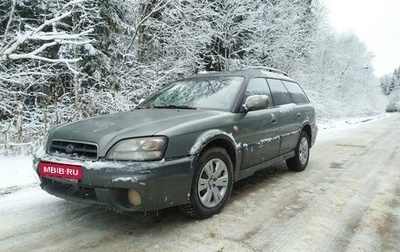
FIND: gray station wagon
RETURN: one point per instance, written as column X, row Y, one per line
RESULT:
column 184, row 146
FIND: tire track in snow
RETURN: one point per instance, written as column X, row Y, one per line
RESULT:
column 288, row 229
column 380, row 228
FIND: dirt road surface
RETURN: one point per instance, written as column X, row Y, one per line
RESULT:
column 348, row 199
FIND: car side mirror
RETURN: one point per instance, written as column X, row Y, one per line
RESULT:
column 256, row 102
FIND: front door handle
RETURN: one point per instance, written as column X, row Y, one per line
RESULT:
column 273, row 119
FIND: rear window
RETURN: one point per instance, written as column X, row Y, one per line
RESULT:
column 280, row 94
column 295, row 91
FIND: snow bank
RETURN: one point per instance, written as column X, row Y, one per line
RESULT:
column 16, row 172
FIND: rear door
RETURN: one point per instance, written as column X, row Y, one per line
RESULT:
column 286, row 115
column 304, row 110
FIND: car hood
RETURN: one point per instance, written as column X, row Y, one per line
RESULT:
column 106, row 130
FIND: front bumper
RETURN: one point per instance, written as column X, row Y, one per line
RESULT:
column 160, row 184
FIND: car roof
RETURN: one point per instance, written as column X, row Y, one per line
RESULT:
column 248, row 73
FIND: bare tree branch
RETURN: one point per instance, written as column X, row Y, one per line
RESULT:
column 10, row 19
column 33, row 56
column 160, row 5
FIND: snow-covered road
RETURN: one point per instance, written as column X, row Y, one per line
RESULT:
column 348, row 199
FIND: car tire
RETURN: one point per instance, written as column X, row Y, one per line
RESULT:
column 300, row 161
column 211, row 185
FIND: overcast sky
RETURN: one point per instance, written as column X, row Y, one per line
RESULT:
column 376, row 23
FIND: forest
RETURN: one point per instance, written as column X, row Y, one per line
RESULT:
column 64, row 60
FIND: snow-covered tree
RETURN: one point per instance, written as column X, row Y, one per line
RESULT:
column 38, row 60
column 285, row 33
column 339, row 75
column 391, row 82
column 390, row 85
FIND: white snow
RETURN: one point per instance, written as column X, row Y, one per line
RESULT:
column 200, row 142
column 125, row 179
column 16, row 171
column 333, row 128
column 287, row 108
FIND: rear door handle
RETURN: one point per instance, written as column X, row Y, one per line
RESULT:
column 298, row 115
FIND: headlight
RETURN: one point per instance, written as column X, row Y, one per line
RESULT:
column 138, row 149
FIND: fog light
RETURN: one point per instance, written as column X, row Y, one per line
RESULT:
column 134, row 197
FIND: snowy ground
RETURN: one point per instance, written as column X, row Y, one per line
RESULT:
column 346, row 200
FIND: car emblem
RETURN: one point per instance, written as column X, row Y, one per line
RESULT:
column 69, row 148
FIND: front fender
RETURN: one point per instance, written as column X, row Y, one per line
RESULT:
column 217, row 138
column 210, row 136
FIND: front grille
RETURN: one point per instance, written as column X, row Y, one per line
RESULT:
column 77, row 150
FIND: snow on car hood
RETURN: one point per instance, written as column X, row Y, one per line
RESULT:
column 106, row 130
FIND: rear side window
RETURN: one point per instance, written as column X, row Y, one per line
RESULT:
column 295, row 91
column 280, row 94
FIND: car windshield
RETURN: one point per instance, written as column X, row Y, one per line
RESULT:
column 204, row 93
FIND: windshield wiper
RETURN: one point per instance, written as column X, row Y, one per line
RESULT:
column 174, row 107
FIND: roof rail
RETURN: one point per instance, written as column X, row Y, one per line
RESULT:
column 269, row 69
column 206, row 72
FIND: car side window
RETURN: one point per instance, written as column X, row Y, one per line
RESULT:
column 296, row 92
column 280, row 94
column 257, row 86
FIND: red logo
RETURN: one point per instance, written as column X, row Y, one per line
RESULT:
column 60, row 170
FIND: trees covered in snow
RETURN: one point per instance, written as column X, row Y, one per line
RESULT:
column 342, row 77
column 61, row 60
column 390, row 85
column 45, row 47
column 391, row 82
